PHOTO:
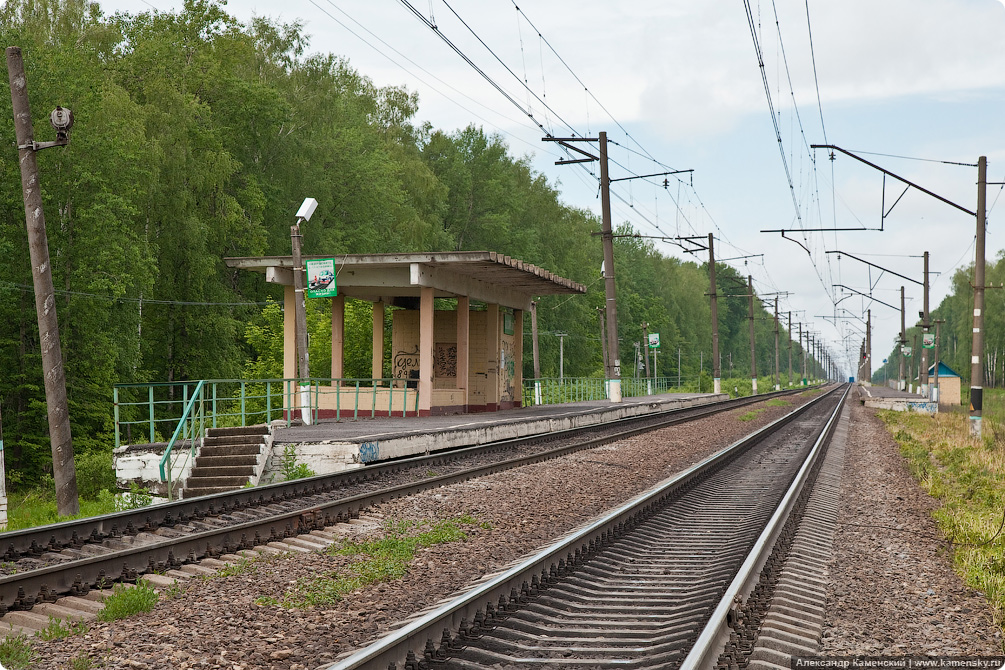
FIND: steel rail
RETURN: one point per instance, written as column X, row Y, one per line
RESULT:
column 713, row 638
column 22, row 590
column 413, row 637
column 54, row 537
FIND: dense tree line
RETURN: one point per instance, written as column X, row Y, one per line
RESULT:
column 196, row 138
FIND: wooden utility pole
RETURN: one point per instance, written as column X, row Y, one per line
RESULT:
column 300, row 307
column 63, row 470
column 300, row 323
column 778, row 384
column 868, row 345
column 536, row 351
column 977, row 350
column 753, row 352
column 802, row 351
column 918, row 363
column 901, row 380
column 789, row 327
column 533, row 339
column 935, row 395
column 645, row 352
column 712, row 293
column 925, row 325
column 603, row 341
column 561, row 356
column 607, row 234
column 612, row 371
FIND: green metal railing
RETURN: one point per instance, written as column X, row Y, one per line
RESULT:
column 151, row 412
column 552, row 390
column 191, row 427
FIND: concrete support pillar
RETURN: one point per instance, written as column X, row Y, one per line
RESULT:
column 338, row 337
column 463, row 347
column 377, row 362
column 493, row 347
column 425, row 385
column 518, row 352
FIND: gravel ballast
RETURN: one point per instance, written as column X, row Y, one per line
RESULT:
column 892, row 590
column 216, row 623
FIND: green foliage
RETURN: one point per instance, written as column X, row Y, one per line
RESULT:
column 16, row 652
column 289, row 466
column 136, row 497
column 751, row 415
column 57, row 630
column 127, row 601
column 384, row 559
column 95, row 473
column 194, row 141
column 241, row 567
column 83, row 662
column 966, row 476
column 29, row 508
column 778, row 402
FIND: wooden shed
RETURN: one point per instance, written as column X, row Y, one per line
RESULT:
column 949, row 384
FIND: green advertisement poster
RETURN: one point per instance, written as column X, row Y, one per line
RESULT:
column 321, row 278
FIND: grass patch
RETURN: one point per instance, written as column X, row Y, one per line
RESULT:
column 16, row 652
column 778, row 402
column 57, row 630
column 751, row 415
column 127, row 601
column 384, row 559
column 241, row 567
column 82, row 663
column 967, row 476
column 35, row 507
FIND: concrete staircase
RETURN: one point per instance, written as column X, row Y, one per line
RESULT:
column 229, row 459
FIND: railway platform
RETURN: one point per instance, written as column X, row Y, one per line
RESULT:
column 329, row 445
column 884, row 397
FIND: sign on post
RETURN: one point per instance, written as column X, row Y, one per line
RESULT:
column 654, row 340
column 321, row 278
column 906, row 351
column 928, row 340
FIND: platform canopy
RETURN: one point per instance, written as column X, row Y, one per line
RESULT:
column 480, row 275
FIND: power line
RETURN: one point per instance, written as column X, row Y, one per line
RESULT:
column 446, row 40
column 417, row 77
column 24, row 288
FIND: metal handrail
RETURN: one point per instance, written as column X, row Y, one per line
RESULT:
column 183, row 428
column 242, row 402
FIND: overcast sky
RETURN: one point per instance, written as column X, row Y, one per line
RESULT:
column 680, row 82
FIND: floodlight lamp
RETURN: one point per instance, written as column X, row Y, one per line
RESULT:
column 307, row 209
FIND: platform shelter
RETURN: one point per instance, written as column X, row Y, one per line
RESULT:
column 444, row 361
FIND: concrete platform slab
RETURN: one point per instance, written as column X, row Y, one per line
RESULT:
column 883, row 397
column 352, row 443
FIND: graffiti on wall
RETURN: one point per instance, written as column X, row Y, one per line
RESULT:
column 369, row 452
column 507, row 367
column 404, row 361
column 445, row 359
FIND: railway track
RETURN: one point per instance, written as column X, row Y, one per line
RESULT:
column 71, row 558
column 660, row 582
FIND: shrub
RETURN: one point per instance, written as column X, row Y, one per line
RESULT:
column 291, row 468
column 95, row 473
